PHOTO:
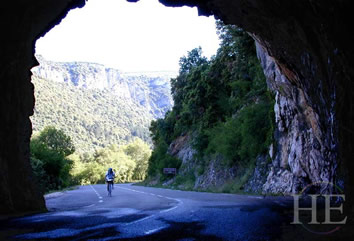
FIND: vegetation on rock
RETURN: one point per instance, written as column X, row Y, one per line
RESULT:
column 223, row 103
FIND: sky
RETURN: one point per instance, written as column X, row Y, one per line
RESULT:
column 132, row 37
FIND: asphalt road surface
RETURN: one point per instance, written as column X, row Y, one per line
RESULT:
column 142, row 213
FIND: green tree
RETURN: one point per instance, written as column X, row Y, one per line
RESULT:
column 140, row 153
column 114, row 157
column 48, row 158
column 193, row 59
column 223, row 104
column 56, row 140
column 129, row 162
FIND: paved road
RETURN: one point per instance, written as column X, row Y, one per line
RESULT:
column 142, row 213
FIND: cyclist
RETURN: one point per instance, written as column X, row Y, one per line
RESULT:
column 110, row 175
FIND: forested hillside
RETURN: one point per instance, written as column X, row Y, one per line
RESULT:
column 221, row 122
column 97, row 106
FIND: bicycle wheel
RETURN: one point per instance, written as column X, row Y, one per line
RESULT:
column 110, row 189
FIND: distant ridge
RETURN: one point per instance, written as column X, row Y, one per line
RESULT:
column 95, row 105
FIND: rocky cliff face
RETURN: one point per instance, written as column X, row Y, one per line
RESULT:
column 308, row 67
column 305, row 151
column 214, row 175
column 311, row 42
column 150, row 92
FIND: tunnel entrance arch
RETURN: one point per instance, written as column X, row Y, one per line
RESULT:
column 308, row 41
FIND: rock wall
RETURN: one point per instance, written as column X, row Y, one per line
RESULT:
column 311, row 42
column 305, row 151
column 258, row 178
column 312, row 56
column 22, row 22
column 214, row 175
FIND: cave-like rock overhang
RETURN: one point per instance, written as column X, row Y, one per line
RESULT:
column 310, row 41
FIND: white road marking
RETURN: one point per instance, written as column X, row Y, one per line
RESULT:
column 168, row 210
column 155, row 230
column 163, row 211
column 139, row 220
column 98, row 195
column 255, row 197
column 88, row 206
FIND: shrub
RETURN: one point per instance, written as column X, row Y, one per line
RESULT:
column 48, row 158
column 241, row 139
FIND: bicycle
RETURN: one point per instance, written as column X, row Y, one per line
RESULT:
column 109, row 187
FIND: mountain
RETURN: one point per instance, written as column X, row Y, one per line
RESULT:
column 150, row 90
column 95, row 105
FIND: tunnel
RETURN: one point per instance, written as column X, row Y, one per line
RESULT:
column 306, row 51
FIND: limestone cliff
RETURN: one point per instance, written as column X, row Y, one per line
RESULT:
column 305, row 152
column 151, row 92
column 215, row 175
column 311, row 55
